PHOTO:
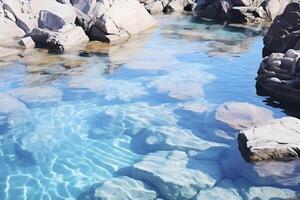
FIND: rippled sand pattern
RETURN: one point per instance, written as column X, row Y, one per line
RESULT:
column 69, row 122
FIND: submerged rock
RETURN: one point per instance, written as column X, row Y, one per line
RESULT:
column 269, row 172
column 38, row 94
column 279, row 140
column 124, row 188
column 241, row 115
column 16, row 111
column 225, row 189
column 264, row 192
column 175, row 175
column 106, row 22
column 165, row 138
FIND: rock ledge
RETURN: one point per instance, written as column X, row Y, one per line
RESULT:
column 279, row 140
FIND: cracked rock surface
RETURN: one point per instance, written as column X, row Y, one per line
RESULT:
column 278, row 140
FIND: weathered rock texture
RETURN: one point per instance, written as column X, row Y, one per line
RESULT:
column 284, row 32
column 278, row 140
column 241, row 11
column 279, row 76
column 168, row 6
column 59, row 25
column 279, row 72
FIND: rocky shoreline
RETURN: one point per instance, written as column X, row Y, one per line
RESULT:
column 65, row 24
column 279, row 72
column 59, row 25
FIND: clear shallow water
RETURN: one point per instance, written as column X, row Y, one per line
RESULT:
column 70, row 121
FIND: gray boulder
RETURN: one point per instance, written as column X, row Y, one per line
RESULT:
column 67, row 37
column 104, row 20
column 59, row 25
column 65, row 11
column 278, row 140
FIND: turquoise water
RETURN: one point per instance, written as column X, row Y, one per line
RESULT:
column 68, row 122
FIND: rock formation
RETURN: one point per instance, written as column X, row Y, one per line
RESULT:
column 284, row 32
column 241, row 11
column 279, row 76
column 168, row 6
column 279, row 72
column 278, row 140
column 59, row 25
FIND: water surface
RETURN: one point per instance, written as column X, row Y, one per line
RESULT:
column 68, row 121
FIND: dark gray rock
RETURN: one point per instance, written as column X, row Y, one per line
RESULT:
column 284, row 32
column 83, row 5
column 50, row 21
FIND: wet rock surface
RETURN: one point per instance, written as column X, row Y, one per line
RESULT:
column 279, row 140
column 241, row 11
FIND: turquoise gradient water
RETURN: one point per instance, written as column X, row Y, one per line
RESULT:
column 57, row 144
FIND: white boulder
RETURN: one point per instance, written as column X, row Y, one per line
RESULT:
column 278, row 140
